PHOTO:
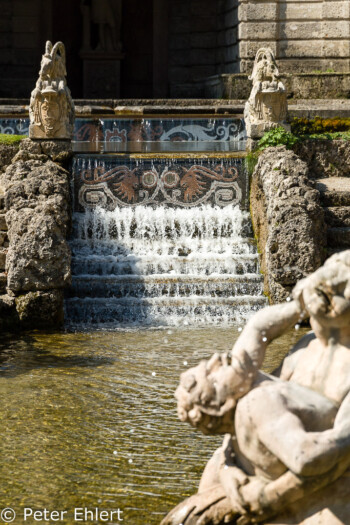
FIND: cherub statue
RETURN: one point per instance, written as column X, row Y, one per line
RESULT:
column 51, row 109
column 288, row 450
column 267, row 104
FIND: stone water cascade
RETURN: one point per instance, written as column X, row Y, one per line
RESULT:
column 159, row 264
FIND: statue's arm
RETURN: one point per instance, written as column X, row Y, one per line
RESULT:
column 262, row 328
column 306, row 453
column 314, row 459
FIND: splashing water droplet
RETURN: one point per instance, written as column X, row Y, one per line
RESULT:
column 130, row 460
column 154, row 374
column 226, row 467
column 165, row 340
column 240, row 329
column 264, row 339
column 297, row 326
column 288, row 299
column 115, row 452
column 185, row 363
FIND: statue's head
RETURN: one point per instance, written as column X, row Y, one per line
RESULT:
column 50, row 111
column 325, row 293
column 53, row 62
column 208, row 393
column 265, row 66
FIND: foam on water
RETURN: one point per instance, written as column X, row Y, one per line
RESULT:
column 163, row 266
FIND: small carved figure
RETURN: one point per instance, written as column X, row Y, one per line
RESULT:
column 288, row 453
column 51, row 109
column 107, row 16
column 267, row 105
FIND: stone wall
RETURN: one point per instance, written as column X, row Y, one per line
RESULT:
column 203, row 41
column 20, row 39
column 305, row 35
column 288, row 221
column 35, row 187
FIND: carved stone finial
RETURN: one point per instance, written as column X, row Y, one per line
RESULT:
column 51, row 109
column 267, row 105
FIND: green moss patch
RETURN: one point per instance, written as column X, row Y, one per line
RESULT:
column 11, row 139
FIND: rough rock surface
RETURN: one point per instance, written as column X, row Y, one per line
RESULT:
column 325, row 158
column 40, row 309
column 7, row 152
column 288, row 221
column 38, row 216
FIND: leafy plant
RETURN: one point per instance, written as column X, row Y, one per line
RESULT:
column 250, row 161
column 277, row 137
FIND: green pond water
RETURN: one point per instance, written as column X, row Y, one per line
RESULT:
column 89, row 420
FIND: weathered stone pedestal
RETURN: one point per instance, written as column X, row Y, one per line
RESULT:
column 101, row 74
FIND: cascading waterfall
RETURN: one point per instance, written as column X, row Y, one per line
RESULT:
column 163, row 266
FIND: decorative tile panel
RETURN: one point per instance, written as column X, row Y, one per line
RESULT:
column 126, row 180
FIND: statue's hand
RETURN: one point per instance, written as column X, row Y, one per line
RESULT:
column 251, row 494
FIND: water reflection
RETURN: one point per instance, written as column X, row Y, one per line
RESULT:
column 89, row 419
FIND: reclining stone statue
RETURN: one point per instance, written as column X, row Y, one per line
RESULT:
column 286, row 459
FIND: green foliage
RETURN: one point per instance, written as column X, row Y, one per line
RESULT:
column 250, row 161
column 277, row 137
column 11, row 139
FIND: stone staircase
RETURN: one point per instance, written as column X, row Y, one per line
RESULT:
column 335, row 198
column 3, row 244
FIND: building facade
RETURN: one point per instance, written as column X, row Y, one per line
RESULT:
column 167, row 48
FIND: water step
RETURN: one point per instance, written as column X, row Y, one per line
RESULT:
column 338, row 237
column 162, row 311
column 335, row 191
column 165, row 285
column 158, row 247
column 205, row 265
column 337, row 216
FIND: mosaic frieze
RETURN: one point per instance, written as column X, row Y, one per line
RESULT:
column 125, row 181
column 14, row 126
column 158, row 130
column 112, row 130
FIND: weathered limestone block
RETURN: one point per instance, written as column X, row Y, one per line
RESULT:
column 3, row 224
column 325, row 158
column 37, row 204
column 288, row 221
column 40, row 309
column 8, row 314
column 266, row 107
column 7, row 152
column 51, row 109
column 3, row 253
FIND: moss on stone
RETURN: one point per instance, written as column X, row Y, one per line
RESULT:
column 11, row 139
